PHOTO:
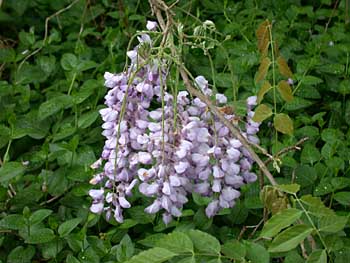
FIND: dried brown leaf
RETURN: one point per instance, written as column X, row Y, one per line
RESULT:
column 285, row 90
column 262, row 34
column 263, row 68
column 263, row 90
column 284, row 68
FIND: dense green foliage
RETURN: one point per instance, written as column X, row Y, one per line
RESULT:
column 53, row 55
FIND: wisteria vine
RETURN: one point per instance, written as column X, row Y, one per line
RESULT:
column 168, row 152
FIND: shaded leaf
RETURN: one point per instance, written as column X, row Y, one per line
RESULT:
column 10, row 170
column 21, row 255
column 317, row 256
column 343, row 198
column 54, row 105
column 39, row 215
column 65, row 228
column 41, row 235
column 256, row 253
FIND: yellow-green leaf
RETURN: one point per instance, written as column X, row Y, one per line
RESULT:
column 263, row 90
column 279, row 221
column 283, row 67
column 290, row 238
column 283, row 123
column 285, row 90
column 263, row 68
column 262, row 112
column 289, row 188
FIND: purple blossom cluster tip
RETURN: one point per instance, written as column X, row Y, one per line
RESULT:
column 167, row 152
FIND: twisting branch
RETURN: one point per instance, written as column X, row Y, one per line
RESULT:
column 157, row 7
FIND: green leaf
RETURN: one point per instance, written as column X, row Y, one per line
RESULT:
column 187, row 260
column 39, row 215
column 72, row 259
column 293, row 257
column 52, row 248
column 283, row 123
column 151, row 241
column 69, row 62
column 234, row 250
column 311, row 80
column 153, row 255
column 39, row 236
column 279, row 221
column 85, row 65
column 125, row 249
column 21, row 255
column 10, row 170
column 85, row 91
column 332, row 224
column 12, row 222
column 87, row 119
column 7, row 55
column 315, row 206
column 343, row 198
column 204, row 242
column 65, row 228
column 317, row 256
column 298, row 104
column 289, row 238
column 262, row 112
column 344, row 87
column 289, row 188
column 310, row 154
column 54, row 105
column 176, row 242
column 256, row 253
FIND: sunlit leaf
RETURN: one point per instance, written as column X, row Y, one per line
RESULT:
column 290, row 238
column 262, row 112
column 283, row 123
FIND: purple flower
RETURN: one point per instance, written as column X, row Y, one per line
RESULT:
column 212, row 208
column 221, row 98
column 151, row 25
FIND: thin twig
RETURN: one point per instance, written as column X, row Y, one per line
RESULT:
column 294, row 147
column 46, row 32
column 332, row 14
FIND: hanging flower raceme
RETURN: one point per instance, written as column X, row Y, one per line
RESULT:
column 167, row 152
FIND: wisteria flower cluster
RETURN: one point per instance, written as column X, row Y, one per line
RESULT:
column 167, row 152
